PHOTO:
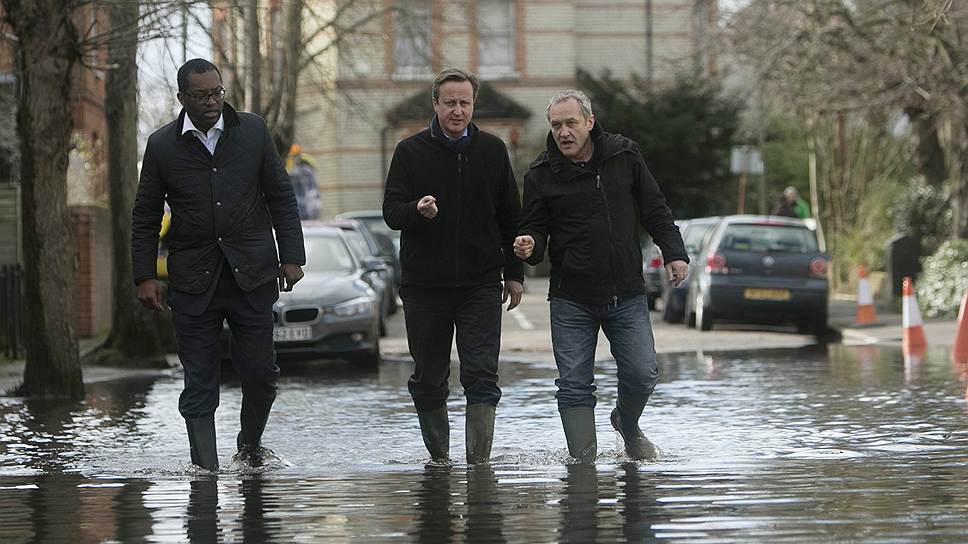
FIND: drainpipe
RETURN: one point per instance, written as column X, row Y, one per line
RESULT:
column 648, row 44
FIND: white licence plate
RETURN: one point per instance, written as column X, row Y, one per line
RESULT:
column 292, row 334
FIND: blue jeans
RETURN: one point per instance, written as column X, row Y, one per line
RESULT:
column 574, row 335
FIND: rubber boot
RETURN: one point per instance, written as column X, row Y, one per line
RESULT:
column 435, row 429
column 579, row 425
column 201, row 442
column 479, row 433
column 249, row 440
column 625, row 420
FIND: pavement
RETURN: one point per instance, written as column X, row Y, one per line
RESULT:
column 526, row 337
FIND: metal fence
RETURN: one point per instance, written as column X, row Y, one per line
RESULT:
column 12, row 309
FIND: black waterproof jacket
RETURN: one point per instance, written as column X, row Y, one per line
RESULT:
column 591, row 219
column 227, row 204
column 470, row 240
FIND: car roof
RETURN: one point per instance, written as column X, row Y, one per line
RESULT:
column 769, row 220
column 360, row 213
column 319, row 229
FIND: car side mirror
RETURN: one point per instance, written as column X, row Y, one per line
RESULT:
column 374, row 264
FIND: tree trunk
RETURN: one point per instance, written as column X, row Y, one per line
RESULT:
column 134, row 337
column 284, row 131
column 48, row 50
column 253, row 54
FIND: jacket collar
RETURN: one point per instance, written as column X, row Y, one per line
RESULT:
column 464, row 142
column 606, row 146
column 229, row 116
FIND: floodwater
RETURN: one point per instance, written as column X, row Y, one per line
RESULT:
column 826, row 444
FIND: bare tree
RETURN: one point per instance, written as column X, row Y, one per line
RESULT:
column 48, row 51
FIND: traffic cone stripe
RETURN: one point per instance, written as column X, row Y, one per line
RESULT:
column 960, row 350
column 865, row 302
column 913, row 325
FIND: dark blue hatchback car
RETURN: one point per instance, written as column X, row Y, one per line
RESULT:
column 760, row 269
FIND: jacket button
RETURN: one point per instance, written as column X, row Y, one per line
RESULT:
column 219, row 238
column 208, row 272
column 214, row 169
column 219, row 203
column 236, row 269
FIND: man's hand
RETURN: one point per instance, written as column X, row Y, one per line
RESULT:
column 677, row 271
column 427, row 206
column 523, row 246
column 289, row 274
column 150, row 295
column 513, row 290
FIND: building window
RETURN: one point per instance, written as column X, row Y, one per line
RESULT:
column 412, row 48
column 495, row 37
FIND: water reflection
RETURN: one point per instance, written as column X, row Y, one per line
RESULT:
column 823, row 444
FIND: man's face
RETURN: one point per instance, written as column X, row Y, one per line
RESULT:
column 454, row 107
column 201, row 99
column 571, row 129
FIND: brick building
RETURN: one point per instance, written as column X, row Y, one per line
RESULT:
column 373, row 87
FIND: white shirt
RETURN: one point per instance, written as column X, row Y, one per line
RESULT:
column 209, row 139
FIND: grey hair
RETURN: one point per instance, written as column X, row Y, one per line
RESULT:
column 454, row 74
column 791, row 190
column 584, row 104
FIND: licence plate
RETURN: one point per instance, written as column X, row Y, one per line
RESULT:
column 766, row 294
column 291, row 334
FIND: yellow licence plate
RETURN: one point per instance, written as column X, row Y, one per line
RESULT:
column 766, row 294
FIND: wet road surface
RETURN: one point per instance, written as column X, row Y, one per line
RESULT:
column 818, row 444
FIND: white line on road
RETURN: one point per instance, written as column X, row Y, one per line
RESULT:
column 522, row 319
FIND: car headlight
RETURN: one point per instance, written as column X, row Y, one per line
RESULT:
column 357, row 306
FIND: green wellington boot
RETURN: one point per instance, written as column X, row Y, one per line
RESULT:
column 625, row 420
column 435, row 429
column 479, row 433
column 579, row 425
column 201, row 442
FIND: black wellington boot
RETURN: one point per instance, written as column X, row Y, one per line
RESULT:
column 249, row 440
column 579, row 426
column 201, row 442
column 479, row 433
column 435, row 429
column 625, row 420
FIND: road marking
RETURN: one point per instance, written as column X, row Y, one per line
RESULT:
column 522, row 319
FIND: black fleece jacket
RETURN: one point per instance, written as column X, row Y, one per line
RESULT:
column 470, row 240
column 591, row 214
column 226, row 204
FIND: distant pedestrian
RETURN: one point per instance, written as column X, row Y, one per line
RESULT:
column 800, row 207
column 585, row 197
column 783, row 207
column 302, row 172
column 451, row 192
column 228, row 191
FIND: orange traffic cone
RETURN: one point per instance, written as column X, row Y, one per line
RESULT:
column 960, row 351
column 865, row 302
column 914, row 340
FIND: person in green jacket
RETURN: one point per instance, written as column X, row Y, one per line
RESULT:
column 799, row 205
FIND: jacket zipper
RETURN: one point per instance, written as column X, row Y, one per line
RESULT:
column 460, row 180
column 611, row 235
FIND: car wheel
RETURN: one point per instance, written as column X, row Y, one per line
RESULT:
column 690, row 314
column 383, row 327
column 703, row 318
column 650, row 300
column 820, row 325
column 368, row 359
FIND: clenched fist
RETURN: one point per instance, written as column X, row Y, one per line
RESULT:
column 523, row 246
column 427, row 206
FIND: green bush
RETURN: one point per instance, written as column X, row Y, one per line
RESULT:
column 922, row 210
column 945, row 278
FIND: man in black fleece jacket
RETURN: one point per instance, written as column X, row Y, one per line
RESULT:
column 588, row 193
column 451, row 192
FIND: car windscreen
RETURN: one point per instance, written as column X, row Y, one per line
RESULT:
column 694, row 234
column 769, row 239
column 328, row 254
column 360, row 246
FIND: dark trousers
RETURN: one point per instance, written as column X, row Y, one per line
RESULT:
column 198, row 340
column 432, row 315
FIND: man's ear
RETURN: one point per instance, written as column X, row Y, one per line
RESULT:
column 592, row 121
column 181, row 99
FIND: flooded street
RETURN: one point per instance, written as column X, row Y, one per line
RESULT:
column 827, row 443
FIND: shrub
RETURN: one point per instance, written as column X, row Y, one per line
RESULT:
column 922, row 210
column 945, row 278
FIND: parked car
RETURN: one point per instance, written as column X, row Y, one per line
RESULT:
column 760, row 269
column 363, row 242
column 333, row 311
column 653, row 270
column 674, row 298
